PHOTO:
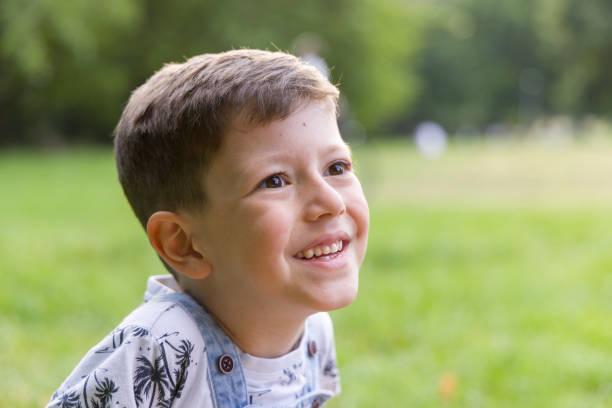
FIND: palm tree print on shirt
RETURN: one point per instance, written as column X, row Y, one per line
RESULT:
column 69, row 400
column 104, row 393
column 156, row 377
column 150, row 376
column 158, row 381
column 119, row 336
column 102, row 397
column 183, row 360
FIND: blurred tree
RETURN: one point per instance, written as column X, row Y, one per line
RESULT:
column 474, row 56
column 59, row 78
column 512, row 61
column 373, row 56
column 578, row 45
column 67, row 66
column 369, row 44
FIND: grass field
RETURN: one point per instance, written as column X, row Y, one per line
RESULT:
column 487, row 281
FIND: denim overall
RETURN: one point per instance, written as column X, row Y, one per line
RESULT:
column 227, row 381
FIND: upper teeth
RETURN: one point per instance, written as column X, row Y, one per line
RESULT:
column 321, row 250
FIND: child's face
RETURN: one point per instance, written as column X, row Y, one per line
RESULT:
column 278, row 194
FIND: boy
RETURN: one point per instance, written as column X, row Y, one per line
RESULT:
column 234, row 165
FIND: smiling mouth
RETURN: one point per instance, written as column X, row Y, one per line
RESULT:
column 326, row 251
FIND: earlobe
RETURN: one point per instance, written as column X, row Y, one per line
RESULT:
column 171, row 238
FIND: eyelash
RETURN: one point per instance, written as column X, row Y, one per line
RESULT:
column 281, row 176
column 346, row 166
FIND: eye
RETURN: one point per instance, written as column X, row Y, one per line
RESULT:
column 274, row 181
column 338, row 168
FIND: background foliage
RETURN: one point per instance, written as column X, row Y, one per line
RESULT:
column 67, row 66
column 487, row 278
column 486, row 284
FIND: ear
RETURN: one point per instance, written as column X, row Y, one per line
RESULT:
column 170, row 236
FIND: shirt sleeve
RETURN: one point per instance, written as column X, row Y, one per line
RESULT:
column 135, row 367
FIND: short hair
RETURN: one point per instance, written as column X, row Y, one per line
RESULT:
column 174, row 123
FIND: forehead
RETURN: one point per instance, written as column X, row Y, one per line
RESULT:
column 256, row 115
column 312, row 121
column 307, row 135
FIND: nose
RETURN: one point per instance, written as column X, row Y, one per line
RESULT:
column 323, row 200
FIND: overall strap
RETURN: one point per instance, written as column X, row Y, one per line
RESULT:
column 228, row 385
column 313, row 395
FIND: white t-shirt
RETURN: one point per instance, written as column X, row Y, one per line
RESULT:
column 157, row 355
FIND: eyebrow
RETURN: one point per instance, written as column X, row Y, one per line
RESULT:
column 343, row 148
column 347, row 147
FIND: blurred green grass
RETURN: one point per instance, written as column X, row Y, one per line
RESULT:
column 489, row 267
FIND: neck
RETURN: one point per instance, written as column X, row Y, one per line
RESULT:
column 254, row 330
column 264, row 341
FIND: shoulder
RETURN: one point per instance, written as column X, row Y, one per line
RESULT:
column 156, row 352
column 322, row 319
column 321, row 331
column 321, row 328
column 163, row 318
column 151, row 325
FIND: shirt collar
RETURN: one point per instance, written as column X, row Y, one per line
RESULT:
column 160, row 284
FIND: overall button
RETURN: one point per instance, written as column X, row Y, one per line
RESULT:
column 225, row 363
column 312, row 348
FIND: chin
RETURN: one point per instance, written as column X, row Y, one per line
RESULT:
column 336, row 298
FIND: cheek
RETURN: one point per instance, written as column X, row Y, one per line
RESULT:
column 359, row 211
column 265, row 245
column 357, row 204
column 268, row 229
